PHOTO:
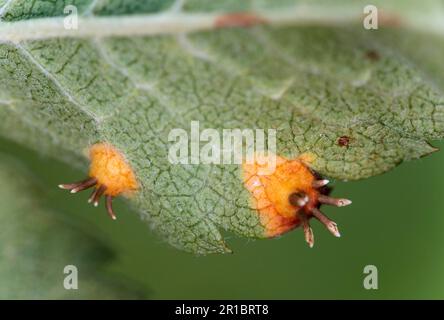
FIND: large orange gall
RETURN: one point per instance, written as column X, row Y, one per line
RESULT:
column 289, row 196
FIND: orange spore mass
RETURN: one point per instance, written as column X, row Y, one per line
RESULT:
column 110, row 169
column 238, row 19
column 271, row 192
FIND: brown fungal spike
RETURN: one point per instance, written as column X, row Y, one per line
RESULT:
column 79, row 186
column 109, row 207
column 96, row 194
column 298, row 199
column 308, row 231
column 333, row 201
column 320, row 183
column 329, row 224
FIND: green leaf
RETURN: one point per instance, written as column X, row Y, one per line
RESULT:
column 36, row 244
column 137, row 69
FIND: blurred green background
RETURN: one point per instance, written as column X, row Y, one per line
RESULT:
column 394, row 223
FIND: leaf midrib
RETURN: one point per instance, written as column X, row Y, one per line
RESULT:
column 169, row 22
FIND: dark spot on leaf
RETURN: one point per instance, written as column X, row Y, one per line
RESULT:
column 372, row 55
column 343, row 141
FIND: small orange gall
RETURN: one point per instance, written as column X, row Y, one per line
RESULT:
column 238, row 19
column 289, row 196
column 109, row 174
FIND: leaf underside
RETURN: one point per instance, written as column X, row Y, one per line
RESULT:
column 313, row 84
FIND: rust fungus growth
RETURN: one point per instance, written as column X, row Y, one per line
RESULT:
column 110, row 175
column 390, row 19
column 344, row 141
column 239, row 19
column 289, row 196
